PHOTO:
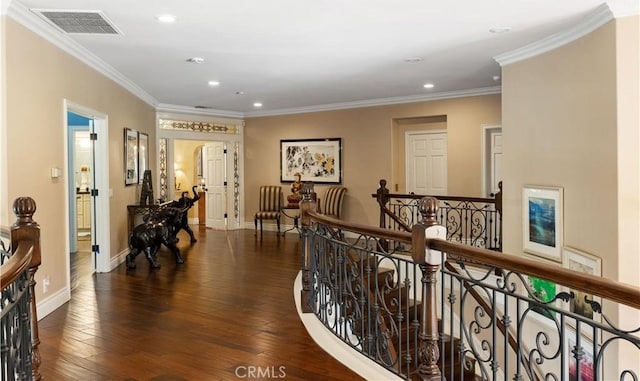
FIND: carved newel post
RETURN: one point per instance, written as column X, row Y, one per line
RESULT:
column 429, row 262
column 307, row 204
column 25, row 228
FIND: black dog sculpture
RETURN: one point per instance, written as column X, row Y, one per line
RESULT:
column 185, row 202
column 158, row 229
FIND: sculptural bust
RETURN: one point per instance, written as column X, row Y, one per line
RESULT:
column 296, row 190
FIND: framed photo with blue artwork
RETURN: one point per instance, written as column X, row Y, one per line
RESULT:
column 542, row 219
column 317, row 160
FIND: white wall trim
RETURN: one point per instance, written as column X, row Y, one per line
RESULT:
column 4, row 6
column 53, row 302
column 30, row 20
column 189, row 110
column 600, row 16
column 117, row 259
column 379, row 102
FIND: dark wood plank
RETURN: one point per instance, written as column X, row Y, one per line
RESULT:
column 229, row 306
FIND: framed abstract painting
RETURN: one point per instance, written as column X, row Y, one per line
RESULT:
column 317, row 160
column 542, row 222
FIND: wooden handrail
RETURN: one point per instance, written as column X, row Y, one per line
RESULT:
column 610, row 289
column 361, row 228
column 591, row 284
column 442, row 198
column 17, row 264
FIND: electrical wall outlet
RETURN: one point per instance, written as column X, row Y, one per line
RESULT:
column 45, row 283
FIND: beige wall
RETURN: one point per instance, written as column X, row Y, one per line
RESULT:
column 39, row 77
column 570, row 119
column 368, row 149
column 4, row 180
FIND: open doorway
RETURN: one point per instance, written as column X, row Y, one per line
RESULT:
column 491, row 159
column 80, row 168
column 202, row 164
column 91, row 229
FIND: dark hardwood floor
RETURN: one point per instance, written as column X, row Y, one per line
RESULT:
column 229, row 309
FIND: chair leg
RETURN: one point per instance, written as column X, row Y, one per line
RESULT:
column 261, row 226
column 255, row 222
column 278, row 223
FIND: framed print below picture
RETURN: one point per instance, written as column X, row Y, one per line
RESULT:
column 544, row 291
column 317, row 160
column 542, row 222
column 130, row 156
column 582, row 262
column 143, row 154
column 586, row 364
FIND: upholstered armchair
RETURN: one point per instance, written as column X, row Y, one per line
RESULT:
column 331, row 202
column 270, row 203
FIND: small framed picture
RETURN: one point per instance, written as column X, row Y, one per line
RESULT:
column 543, row 290
column 576, row 260
column 143, row 154
column 586, row 365
column 130, row 156
column 542, row 221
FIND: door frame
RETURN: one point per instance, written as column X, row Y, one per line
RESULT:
column 229, row 139
column 101, row 182
column 406, row 156
column 485, row 149
column 228, row 168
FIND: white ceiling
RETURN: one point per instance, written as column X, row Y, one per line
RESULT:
column 298, row 55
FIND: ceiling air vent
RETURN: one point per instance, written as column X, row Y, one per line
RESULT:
column 78, row 22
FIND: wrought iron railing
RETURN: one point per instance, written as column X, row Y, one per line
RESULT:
column 472, row 221
column 19, row 321
column 429, row 307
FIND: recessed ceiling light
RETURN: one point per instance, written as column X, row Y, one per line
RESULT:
column 196, row 60
column 214, row 83
column 496, row 78
column 167, row 19
column 413, row 59
column 501, row 29
column 257, row 104
column 428, row 86
column 239, row 92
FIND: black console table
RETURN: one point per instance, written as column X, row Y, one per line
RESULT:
column 292, row 209
column 136, row 212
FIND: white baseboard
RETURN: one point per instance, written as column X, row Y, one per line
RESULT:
column 52, row 302
column 118, row 259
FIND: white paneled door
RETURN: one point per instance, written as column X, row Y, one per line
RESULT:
column 214, row 169
column 426, row 163
column 496, row 160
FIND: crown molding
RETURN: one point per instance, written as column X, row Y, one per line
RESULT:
column 30, row 20
column 4, row 6
column 189, row 110
column 624, row 8
column 24, row 16
column 380, row 102
column 600, row 16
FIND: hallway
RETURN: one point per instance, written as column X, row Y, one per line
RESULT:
column 229, row 309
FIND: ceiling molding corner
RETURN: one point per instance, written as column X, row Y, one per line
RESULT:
column 4, row 7
column 34, row 23
column 600, row 16
column 379, row 102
